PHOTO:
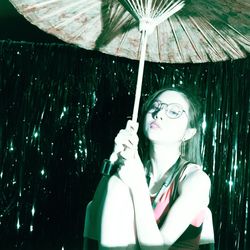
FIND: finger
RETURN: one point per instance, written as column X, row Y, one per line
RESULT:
column 125, row 142
column 127, row 154
column 126, row 139
column 132, row 126
column 121, row 136
column 133, row 142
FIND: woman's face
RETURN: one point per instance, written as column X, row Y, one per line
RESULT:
column 166, row 122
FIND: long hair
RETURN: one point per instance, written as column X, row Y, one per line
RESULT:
column 190, row 149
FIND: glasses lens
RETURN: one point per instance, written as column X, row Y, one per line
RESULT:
column 174, row 111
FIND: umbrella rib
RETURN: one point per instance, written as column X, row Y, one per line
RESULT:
column 189, row 37
column 168, row 6
column 122, row 39
column 159, row 47
column 148, row 8
column 141, row 10
column 134, row 10
column 155, row 8
column 176, row 39
column 141, row 7
column 119, row 20
column 238, row 32
column 69, row 20
column 205, row 36
column 160, row 9
column 61, row 10
column 217, row 31
column 38, row 5
column 171, row 11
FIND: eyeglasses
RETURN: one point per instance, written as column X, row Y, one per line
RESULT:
column 172, row 110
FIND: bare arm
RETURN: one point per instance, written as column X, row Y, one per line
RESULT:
column 194, row 196
column 117, row 215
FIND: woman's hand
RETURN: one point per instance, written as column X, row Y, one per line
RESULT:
column 126, row 154
column 126, row 143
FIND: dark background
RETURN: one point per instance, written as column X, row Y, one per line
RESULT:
column 14, row 26
column 58, row 100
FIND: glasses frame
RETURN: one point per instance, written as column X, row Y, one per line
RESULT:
column 161, row 105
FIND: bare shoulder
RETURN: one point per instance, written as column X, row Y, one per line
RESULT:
column 195, row 180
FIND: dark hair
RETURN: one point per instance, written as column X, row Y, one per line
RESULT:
column 191, row 149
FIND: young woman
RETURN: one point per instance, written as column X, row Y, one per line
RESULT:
column 158, row 198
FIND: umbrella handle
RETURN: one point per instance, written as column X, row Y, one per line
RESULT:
column 140, row 75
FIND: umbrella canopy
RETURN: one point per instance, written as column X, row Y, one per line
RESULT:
column 202, row 31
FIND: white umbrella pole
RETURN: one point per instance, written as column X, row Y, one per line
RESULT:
column 140, row 76
column 113, row 157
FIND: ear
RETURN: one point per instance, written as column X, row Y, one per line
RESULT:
column 190, row 132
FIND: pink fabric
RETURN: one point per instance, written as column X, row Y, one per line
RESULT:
column 198, row 220
column 162, row 207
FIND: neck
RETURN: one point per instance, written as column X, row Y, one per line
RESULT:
column 162, row 158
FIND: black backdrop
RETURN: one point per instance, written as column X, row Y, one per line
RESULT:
column 61, row 107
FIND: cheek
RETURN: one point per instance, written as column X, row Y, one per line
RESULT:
column 175, row 130
column 172, row 131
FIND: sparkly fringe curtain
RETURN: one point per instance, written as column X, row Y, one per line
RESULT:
column 61, row 108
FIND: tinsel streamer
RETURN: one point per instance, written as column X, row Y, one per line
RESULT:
column 61, row 107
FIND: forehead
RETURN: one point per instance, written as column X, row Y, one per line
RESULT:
column 170, row 96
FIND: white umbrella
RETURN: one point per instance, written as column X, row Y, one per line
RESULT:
column 202, row 31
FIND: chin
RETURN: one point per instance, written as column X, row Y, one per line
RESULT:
column 163, row 140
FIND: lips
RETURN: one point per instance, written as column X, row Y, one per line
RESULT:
column 154, row 125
